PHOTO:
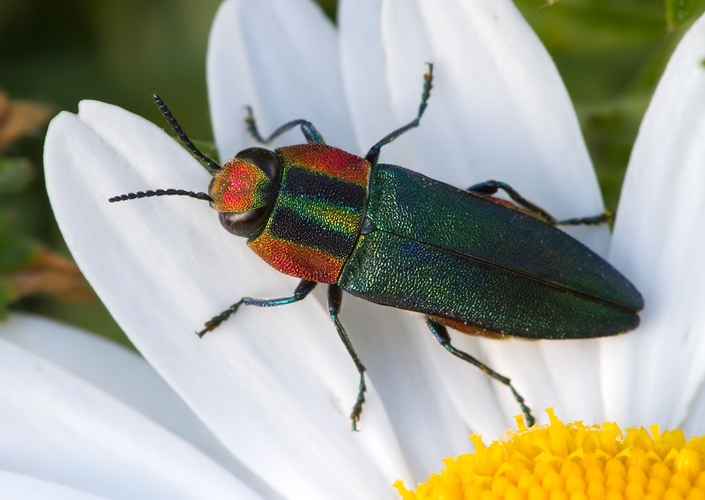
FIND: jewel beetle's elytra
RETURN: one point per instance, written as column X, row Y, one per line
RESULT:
column 462, row 258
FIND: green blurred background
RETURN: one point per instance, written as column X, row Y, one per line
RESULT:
column 610, row 54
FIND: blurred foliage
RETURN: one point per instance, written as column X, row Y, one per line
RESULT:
column 679, row 12
column 17, row 252
column 15, row 174
column 118, row 52
column 610, row 54
column 27, row 268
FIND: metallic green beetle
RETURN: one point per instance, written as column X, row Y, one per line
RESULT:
column 462, row 258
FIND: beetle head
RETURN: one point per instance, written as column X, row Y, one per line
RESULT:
column 243, row 190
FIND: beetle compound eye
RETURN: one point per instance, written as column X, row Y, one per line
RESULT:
column 244, row 223
column 265, row 159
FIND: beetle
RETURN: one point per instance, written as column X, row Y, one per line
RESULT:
column 464, row 259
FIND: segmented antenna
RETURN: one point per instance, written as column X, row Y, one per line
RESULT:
column 160, row 192
column 211, row 164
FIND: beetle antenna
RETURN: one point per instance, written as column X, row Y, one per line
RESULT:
column 160, row 192
column 210, row 163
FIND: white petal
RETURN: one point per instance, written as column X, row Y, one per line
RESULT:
column 275, row 386
column 311, row 54
column 120, row 373
column 692, row 424
column 395, row 345
column 651, row 375
column 58, row 428
column 315, row 74
column 363, row 63
column 392, row 346
column 498, row 110
column 399, row 347
column 19, row 487
column 281, row 57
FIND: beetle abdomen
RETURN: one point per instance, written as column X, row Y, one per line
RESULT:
column 434, row 249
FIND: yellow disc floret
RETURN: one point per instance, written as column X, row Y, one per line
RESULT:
column 573, row 462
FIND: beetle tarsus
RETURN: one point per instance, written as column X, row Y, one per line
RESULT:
column 606, row 217
column 216, row 321
column 357, row 408
column 530, row 420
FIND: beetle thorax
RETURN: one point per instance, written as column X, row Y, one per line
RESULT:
column 316, row 216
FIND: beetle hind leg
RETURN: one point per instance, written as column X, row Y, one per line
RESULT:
column 302, row 290
column 335, row 298
column 441, row 333
column 491, row 187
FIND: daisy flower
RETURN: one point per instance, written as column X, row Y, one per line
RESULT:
column 275, row 386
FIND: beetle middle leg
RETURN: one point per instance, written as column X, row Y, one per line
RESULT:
column 441, row 334
column 373, row 154
column 335, row 298
column 491, row 187
column 302, row 290
column 312, row 135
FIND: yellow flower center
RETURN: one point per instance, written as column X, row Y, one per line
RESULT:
column 573, row 462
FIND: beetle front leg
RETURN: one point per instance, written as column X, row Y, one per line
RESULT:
column 312, row 135
column 302, row 290
column 441, row 333
column 491, row 187
column 335, row 298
